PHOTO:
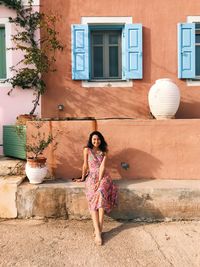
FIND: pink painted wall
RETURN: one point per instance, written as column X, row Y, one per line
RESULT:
column 159, row 20
column 20, row 101
column 168, row 149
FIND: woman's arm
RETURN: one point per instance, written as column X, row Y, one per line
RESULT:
column 101, row 171
column 102, row 167
column 85, row 163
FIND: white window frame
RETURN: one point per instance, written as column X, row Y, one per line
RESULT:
column 5, row 23
column 193, row 19
column 106, row 21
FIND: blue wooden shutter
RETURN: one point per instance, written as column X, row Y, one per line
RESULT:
column 132, row 51
column 2, row 54
column 186, row 50
column 80, row 55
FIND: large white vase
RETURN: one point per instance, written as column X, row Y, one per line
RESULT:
column 164, row 99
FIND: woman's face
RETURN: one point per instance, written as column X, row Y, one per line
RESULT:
column 96, row 141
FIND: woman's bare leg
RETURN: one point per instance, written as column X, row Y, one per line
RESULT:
column 101, row 217
column 95, row 219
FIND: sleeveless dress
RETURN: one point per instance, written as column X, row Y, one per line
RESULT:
column 106, row 195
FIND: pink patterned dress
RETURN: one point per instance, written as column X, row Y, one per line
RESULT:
column 106, row 195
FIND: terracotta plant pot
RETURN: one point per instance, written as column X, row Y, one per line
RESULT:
column 22, row 119
column 36, row 170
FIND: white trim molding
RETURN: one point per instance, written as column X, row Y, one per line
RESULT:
column 35, row 2
column 106, row 20
column 107, row 84
column 103, row 21
column 191, row 19
column 5, row 22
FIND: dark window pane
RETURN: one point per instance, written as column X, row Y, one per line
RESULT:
column 197, row 39
column 113, row 61
column 113, row 39
column 98, row 61
column 197, row 25
column 97, row 39
column 197, row 60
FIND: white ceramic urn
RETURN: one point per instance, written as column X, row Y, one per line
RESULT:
column 36, row 170
column 164, row 99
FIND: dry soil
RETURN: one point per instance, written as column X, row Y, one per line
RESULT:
column 70, row 243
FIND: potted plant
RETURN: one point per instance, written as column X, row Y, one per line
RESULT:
column 39, row 53
column 38, row 58
column 36, row 169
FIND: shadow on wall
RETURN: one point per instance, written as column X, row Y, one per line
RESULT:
column 188, row 110
column 66, row 161
column 141, row 164
column 94, row 102
column 147, row 57
column 135, row 206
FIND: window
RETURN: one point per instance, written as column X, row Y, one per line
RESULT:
column 2, row 53
column 197, row 50
column 106, row 52
column 189, row 50
column 5, row 54
column 106, row 55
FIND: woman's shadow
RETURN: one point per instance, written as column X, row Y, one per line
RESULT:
column 125, row 225
column 134, row 205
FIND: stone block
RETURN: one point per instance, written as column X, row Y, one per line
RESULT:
column 8, row 192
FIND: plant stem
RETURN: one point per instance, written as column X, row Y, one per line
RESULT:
column 36, row 102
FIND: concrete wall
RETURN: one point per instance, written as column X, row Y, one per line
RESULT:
column 153, row 149
column 159, row 20
column 20, row 101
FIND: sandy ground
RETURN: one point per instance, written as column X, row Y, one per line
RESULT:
column 70, row 243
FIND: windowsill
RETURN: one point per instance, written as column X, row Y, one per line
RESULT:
column 194, row 82
column 106, row 80
column 4, row 84
column 107, row 83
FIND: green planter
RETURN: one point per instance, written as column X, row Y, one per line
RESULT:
column 14, row 140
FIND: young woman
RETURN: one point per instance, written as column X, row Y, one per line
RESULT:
column 101, row 193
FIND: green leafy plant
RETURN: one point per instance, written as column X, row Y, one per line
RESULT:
column 38, row 148
column 38, row 53
column 39, row 142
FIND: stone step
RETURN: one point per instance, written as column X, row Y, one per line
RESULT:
column 10, row 166
column 140, row 200
column 8, row 195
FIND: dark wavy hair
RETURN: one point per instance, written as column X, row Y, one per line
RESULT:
column 103, row 146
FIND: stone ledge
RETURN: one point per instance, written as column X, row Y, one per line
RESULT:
column 138, row 200
column 8, row 193
column 11, row 166
column 14, row 179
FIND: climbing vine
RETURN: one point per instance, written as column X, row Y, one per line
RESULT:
column 38, row 53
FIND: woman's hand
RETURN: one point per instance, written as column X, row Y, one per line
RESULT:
column 97, row 185
column 80, row 180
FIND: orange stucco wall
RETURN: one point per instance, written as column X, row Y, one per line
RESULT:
column 159, row 20
column 168, row 149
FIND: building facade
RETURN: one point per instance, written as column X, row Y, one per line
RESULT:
column 19, row 101
column 116, row 50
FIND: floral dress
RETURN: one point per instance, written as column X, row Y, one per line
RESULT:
column 106, row 195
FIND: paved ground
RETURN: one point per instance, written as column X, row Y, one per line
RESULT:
column 70, row 243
